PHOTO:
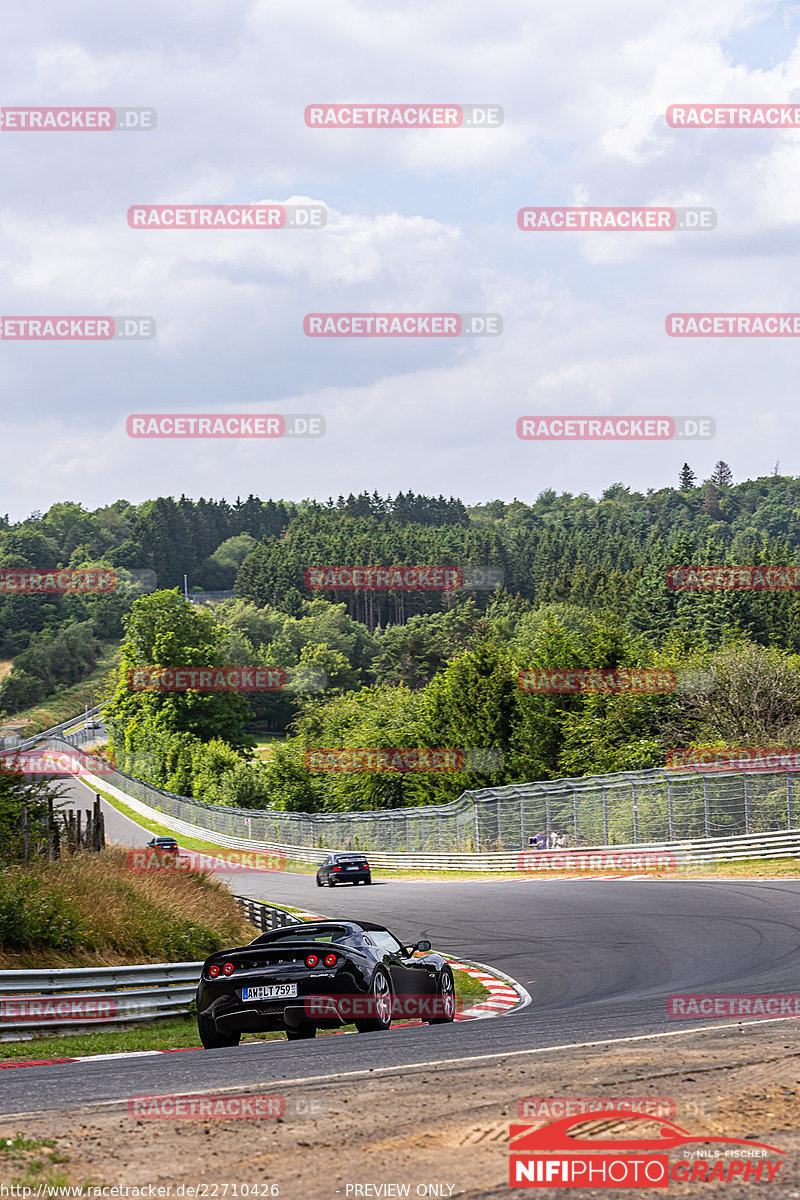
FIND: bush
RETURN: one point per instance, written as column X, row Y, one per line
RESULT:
column 31, row 916
column 93, row 909
column 20, row 690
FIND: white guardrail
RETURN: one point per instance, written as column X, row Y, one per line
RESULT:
column 71, row 999
column 779, row 844
column 16, row 745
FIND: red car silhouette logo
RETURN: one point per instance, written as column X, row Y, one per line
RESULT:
column 555, row 1137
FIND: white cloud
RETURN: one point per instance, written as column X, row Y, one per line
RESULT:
column 417, row 221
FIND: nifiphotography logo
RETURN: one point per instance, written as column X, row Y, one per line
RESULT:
column 556, row 1156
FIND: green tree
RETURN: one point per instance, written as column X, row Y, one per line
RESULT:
column 722, row 475
column 163, row 631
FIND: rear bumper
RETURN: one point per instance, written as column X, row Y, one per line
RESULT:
column 231, row 1014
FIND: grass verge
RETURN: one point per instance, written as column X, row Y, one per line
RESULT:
column 34, row 1164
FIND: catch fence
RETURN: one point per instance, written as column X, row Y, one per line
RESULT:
column 627, row 808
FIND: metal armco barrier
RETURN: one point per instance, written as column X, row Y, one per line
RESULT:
column 263, row 916
column 56, row 731
column 74, row 998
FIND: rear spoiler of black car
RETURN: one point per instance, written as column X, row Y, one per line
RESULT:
column 267, row 954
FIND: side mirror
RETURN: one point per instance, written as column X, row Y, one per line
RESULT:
column 423, row 947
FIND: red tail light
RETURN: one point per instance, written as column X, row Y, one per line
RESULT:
column 330, row 959
column 228, row 968
column 337, row 868
column 312, row 960
column 365, row 867
column 213, row 972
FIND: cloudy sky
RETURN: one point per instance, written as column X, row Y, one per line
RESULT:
column 418, row 221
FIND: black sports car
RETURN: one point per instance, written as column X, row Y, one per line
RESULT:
column 321, row 974
column 167, row 844
column 344, row 868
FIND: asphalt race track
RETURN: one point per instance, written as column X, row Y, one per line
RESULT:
column 599, row 958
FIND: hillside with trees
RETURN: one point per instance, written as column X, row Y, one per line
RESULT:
column 584, row 585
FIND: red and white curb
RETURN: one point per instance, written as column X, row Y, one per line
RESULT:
column 505, row 994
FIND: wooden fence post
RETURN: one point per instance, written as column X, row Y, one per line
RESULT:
column 51, row 852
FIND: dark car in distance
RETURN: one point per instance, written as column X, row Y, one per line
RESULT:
column 167, row 844
column 344, row 868
column 321, row 974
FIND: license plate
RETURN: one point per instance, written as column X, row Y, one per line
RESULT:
column 354, row 868
column 271, row 991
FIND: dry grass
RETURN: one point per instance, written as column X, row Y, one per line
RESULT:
column 114, row 915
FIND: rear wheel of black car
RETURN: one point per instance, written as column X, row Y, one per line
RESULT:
column 211, row 1038
column 301, row 1033
column 319, row 882
column 445, row 998
column 331, row 882
column 381, row 993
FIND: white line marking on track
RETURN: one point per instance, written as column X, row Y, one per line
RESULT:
column 119, row 1054
column 424, row 1066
